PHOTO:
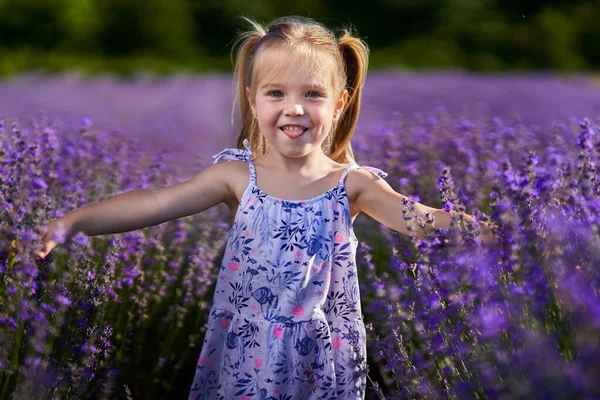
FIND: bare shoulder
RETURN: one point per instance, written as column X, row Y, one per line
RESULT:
column 236, row 175
column 358, row 181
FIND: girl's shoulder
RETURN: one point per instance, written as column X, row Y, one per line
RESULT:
column 237, row 175
column 359, row 179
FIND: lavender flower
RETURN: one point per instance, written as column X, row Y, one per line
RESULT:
column 123, row 315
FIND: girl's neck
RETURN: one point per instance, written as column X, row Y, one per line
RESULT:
column 308, row 165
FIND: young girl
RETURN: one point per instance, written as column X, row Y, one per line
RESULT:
column 286, row 319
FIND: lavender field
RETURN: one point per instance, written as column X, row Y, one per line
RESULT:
column 122, row 316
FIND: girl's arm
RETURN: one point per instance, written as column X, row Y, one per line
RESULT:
column 138, row 209
column 377, row 199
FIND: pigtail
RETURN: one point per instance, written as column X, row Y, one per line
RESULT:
column 355, row 54
column 247, row 42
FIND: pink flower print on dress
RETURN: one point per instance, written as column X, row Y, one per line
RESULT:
column 338, row 238
column 278, row 332
column 224, row 323
column 337, row 342
column 298, row 311
column 258, row 363
column 233, row 266
column 202, row 360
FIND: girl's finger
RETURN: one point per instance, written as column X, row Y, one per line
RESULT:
column 42, row 251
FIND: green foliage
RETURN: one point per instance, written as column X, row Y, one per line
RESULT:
column 558, row 35
column 55, row 62
column 586, row 16
column 477, row 35
column 80, row 21
column 31, row 22
column 160, row 27
column 418, row 52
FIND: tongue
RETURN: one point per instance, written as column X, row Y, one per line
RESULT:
column 293, row 133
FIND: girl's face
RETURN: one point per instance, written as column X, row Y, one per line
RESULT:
column 295, row 109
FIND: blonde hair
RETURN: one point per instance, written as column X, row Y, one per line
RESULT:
column 306, row 38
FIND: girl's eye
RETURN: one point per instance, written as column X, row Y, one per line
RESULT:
column 279, row 93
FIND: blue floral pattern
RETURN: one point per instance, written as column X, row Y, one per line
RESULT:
column 286, row 320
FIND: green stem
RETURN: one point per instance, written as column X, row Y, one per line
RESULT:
column 170, row 335
column 198, row 319
column 14, row 358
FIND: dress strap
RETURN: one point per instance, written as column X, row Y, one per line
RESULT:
column 376, row 171
column 236, row 154
column 348, row 168
column 370, row 169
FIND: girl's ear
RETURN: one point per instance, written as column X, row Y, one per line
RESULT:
column 252, row 105
column 339, row 107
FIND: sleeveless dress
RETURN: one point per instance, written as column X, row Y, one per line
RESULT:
column 286, row 321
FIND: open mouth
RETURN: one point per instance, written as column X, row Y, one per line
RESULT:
column 293, row 131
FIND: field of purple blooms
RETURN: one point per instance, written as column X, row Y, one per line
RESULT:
column 122, row 316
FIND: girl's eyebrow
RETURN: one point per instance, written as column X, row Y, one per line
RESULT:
column 314, row 86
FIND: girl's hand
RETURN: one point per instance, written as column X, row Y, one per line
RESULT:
column 54, row 233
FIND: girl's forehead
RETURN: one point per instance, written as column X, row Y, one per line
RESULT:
column 276, row 67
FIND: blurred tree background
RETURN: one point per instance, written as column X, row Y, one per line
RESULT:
column 164, row 36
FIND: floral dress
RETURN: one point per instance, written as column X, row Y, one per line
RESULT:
column 286, row 320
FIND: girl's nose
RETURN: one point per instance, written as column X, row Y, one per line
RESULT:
column 294, row 109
